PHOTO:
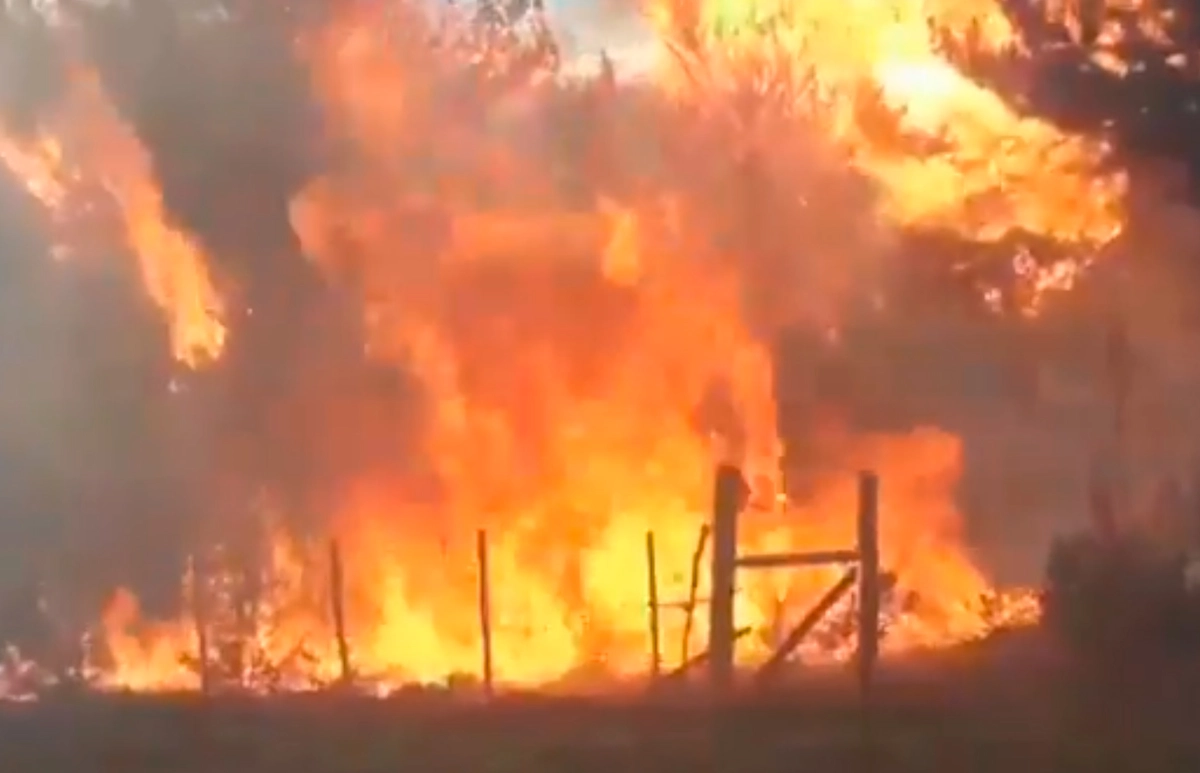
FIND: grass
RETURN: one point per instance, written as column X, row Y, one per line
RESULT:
column 961, row 712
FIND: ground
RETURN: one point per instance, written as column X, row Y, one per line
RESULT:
column 959, row 713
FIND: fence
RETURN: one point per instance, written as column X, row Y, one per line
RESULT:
column 729, row 500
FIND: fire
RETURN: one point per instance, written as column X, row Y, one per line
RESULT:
column 586, row 337
column 946, row 152
column 92, row 167
column 143, row 658
column 39, row 166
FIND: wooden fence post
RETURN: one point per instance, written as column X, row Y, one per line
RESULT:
column 337, row 602
column 689, row 609
column 868, row 580
column 652, row 604
column 485, row 609
column 729, row 496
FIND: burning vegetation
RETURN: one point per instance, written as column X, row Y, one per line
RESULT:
column 420, row 279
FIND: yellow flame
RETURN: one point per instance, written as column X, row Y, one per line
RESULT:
column 581, row 364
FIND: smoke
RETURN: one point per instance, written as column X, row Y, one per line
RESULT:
column 115, row 457
column 224, row 110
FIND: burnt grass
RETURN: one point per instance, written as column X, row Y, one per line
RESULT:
column 954, row 712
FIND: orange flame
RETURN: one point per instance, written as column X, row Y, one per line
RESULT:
column 946, row 152
column 93, row 148
column 583, row 365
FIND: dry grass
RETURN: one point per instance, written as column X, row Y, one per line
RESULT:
column 968, row 712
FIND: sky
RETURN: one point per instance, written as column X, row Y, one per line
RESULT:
column 591, row 26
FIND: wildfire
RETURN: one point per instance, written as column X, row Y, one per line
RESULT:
column 588, row 330
column 878, row 76
column 95, row 180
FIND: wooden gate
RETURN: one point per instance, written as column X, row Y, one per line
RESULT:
column 729, row 500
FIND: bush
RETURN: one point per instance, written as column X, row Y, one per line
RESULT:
column 1120, row 598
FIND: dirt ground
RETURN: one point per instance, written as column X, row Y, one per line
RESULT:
column 957, row 715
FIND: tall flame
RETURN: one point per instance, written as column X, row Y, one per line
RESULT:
column 589, row 335
column 90, row 148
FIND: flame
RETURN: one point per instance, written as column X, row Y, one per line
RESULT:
column 143, row 658
column 90, row 148
column 946, row 152
column 583, row 360
column 39, row 167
